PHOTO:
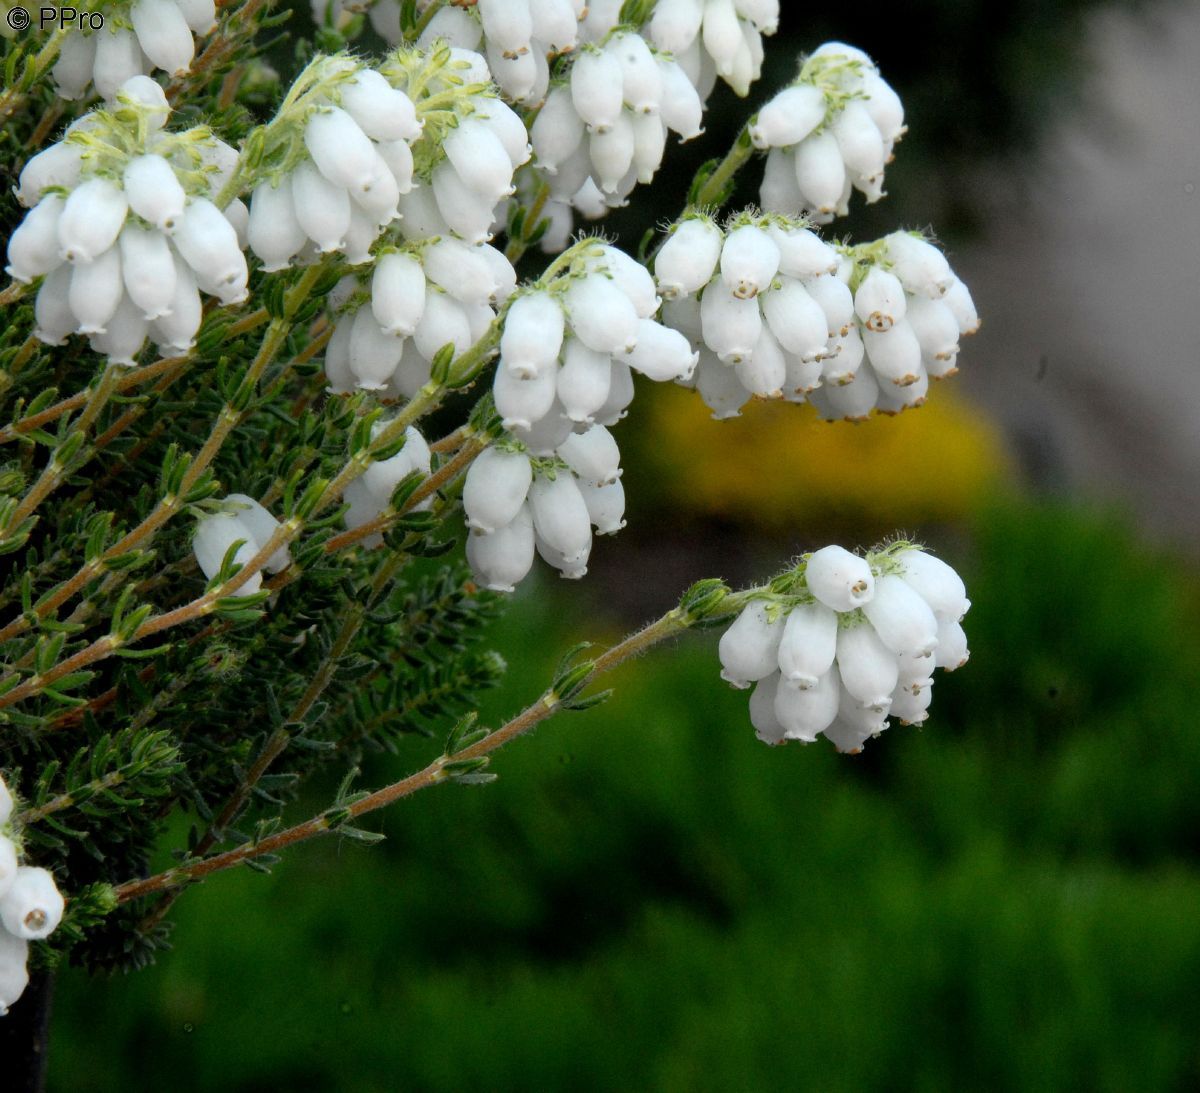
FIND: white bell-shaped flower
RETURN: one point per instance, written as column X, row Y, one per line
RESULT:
column 91, row 219
column 789, row 117
column 124, row 334
column 593, row 456
column 33, row 906
column 688, row 258
column 374, row 354
column 262, row 526
column 808, row 645
column 214, row 536
column 208, row 243
column 601, row 315
column 895, row 354
column 796, row 319
column 749, row 649
column 936, row 583
column 767, row 726
column 502, row 558
column 805, row 713
column 904, row 621
column 33, row 249
column 681, row 109
column 479, row 158
column 605, row 505
column 869, row 670
column 560, row 516
column 838, row 579
column 96, row 290
column 749, row 261
column 802, row 253
column 522, row 402
column 820, row 172
column 163, row 34
column 952, row 645
column 52, row 313
column 58, row 165
column 274, row 232
column 533, row 334
column 6, row 808
column 879, row 300
column 381, row 111
column 732, row 325
column 583, row 380
column 175, row 329
column 597, row 89
column 398, row 293
column 342, row 152
column 496, row 485
column 662, row 353
column 118, row 58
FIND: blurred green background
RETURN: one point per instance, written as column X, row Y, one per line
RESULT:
column 650, row 899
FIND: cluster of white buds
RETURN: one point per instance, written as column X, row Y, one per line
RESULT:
column 829, row 133
column 31, row 907
column 472, row 154
column 910, row 311
column 567, row 349
column 123, row 229
column 605, row 129
column 242, row 522
column 518, row 504
column 371, row 493
column 420, row 297
column 148, row 35
column 712, row 38
column 775, row 312
column 343, row 186
column 847, row 643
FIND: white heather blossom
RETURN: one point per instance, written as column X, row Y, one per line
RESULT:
column 159, row 34
column 32, row 907
column 501, row 559
column 214, row 536
column 116, row 277
column 831, row 132
column 715, row 37
column 850, row 644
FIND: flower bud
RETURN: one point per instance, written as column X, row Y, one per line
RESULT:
column 374, row 354
column 91, row 219
column 895, row 354
column 688, row 258
column 662, row 353
column 52, row 313
column 556, row 131
column 838, row 579
column 163, row 34
column 808, row 645
column 501, row 560
column 767, row 727
column 96, row 290
column 118, row 57
column 14, row 973
column 820, row 172
column 532, row 335
column 869, row 670
column 208, row 243
column 496, row 486
column 732, row 326
column 175, row 330
column 341, row 151
column 796, row 319
column 749, row 261
column 560, row 516
column 262, row 527
column 904, row 621
column 605, row 505
column 33, row 247
column 601, row 315
column 789, row 117
column 749, row 649
column 124, row 335
column 322, row 208
column 381, row 111
column 805, row 713
column 72, row 70
column 596, row 89
column 593, row 456
column 522, row 402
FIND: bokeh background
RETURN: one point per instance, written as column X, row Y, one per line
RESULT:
column 1008, row 898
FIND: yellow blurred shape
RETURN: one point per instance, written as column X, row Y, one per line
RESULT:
column 779, row 460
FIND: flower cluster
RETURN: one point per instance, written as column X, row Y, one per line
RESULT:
column 567, row 348
column 775, row 312
column 712, row 38
column 31, row 907
column 517, row 504
column 829, row 133
column 371, row 493
column 420, row 298
column 135, row 238
column 846, row 643
column 340, row 183
column 149, row 35
column 236, row 532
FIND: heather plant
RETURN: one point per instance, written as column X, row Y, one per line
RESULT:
column 282, row 425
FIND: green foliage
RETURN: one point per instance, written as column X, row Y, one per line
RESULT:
column 651, row 899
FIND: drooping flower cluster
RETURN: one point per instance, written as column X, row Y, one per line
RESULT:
column 846, row 643
column 127, row 251
column 31, row 907
column 567, row 348
column 829, row 133
column 712, row 38
column 420, row 297
column 242, row 522
column 340, row 184
column 605, row 130
column 147, row 36
column 775, row 312
column 517, row 505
